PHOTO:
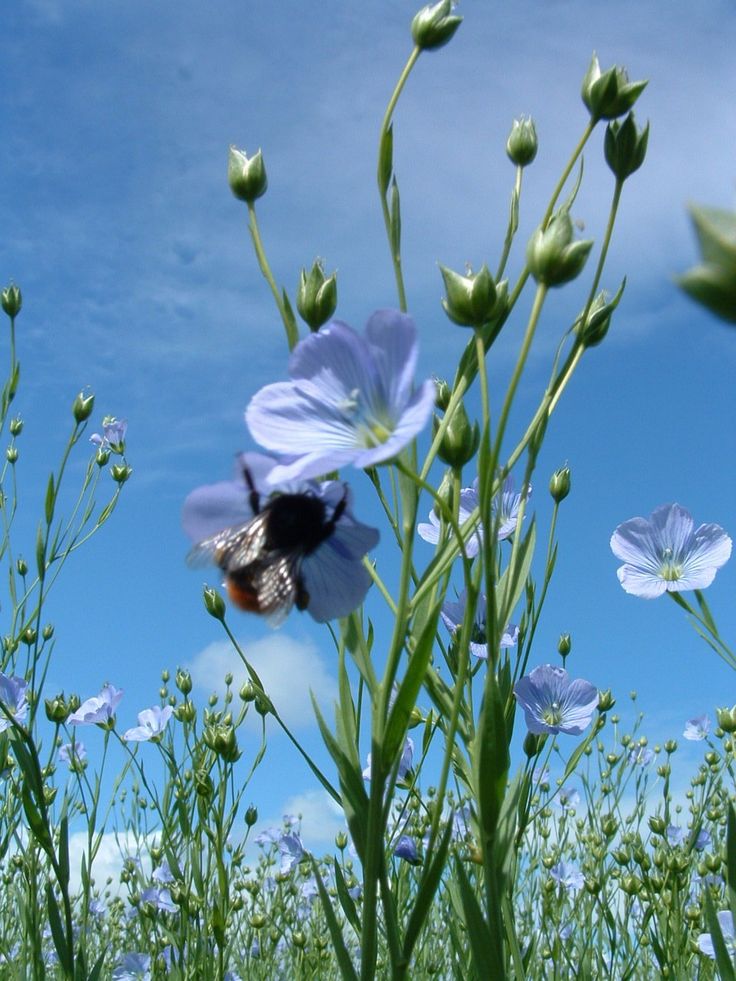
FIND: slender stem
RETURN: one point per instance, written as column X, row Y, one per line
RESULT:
column 292, row 335
column 383, row 186
column 513, row 223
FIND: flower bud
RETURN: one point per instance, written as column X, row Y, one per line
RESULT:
column 609, row 94
column 625, row 147
column 434, row 25
column 552, row 256
column 341, row 841
column 102, row 457
column 183, row 681
column 186, row 712
column 316, row 296
column 251, row 815
column 213, row 603
column 120, row 472
column 521, row 146
column 82, row 407
column 247, row 178
column 564, row 645
column 657, row 825
column 713, row 282
column 460, row 440
column 598, row 319
column 203, row 785
column 57, row 709
column 470, row 299
column 11, row 454
column 559, row 484
column 12, row 300
column 29, row 636
column 442, row 394
column 726, row 719
column 670, row 746
column 533, row 744
column 16, row 426
column 221, row 739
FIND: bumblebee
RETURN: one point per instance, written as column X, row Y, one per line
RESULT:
column 262, row 558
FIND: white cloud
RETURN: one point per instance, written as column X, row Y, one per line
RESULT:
column 288, row 668
column 113, row 849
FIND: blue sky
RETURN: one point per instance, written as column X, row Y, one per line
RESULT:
column 139, row 281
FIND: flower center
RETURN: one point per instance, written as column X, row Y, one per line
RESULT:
column 552, row 714
column 371, row 428
column 669, row 569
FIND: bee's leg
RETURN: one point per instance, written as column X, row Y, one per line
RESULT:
column 254, row 498
column 302, row 596
column 336, row 514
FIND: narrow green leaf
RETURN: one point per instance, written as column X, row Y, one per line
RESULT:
column 731, row 860
column 426, row 891
column 511, row 584
column 723, row 961
column 50, row 500
column 346, row 900
column 96, row 971
column 354, row 799
column 406, row 697
column 66, row 955
column 490, row 759
column 292, row 328
column 385, row 159
column 485, row 959
column 338, row 941
column 395, row 219
column 63, row 856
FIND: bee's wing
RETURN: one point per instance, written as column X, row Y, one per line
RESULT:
column 233, row 547
column 276, row 584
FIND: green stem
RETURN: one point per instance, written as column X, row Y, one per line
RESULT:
column 292, row 334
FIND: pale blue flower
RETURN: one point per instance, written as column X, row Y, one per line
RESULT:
column 14, row 696
column 151, row 724
column 292, row 851
column 666, row 553
column 98, row 710
column 705, row 940
column 505, row 507
column 569, row 798
column 405, row 762
column 568, row 876
column 113, row 435
column 351, row 398
column 641, row 755
column 698, row 728
column 73, row 753
column 133, row 967
column 160, row 897
column 675, row 834
column 163, row 874
column 553, row 702
column 407, row 849
column 453, row 614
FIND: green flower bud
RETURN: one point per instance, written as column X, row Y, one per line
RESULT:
column 186, row 712
column 434, row 25
column 16, row 426
column 221, row 739
column 29, row 636
column 299, row 939
column 657, row 825
column 57, row 709
column 341, row 841
column 606, row 701
column 625, row 147
column 521, row 146
column 713, row 283
column 183, row 681
column 670, row 746
column 533, row 744
column 470, row 299
column 552, row 256
column 120, row 472
column 631, row 885
column 559, row 485
column 316, row 296
column 251, row 815
column 564, row 645
column 726, row 719
column 609, row 94
column 247, row 178
column 460, row 440
column 442, row 394
column 12, row 300
column 214, row 603
column 609, row 825
column 102, row 457
column 11, row 454
column 598, row 320
column 82, row 407
column 257, row 921
column 203, row 785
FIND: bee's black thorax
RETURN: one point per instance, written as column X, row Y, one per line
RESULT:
column 296, row 521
